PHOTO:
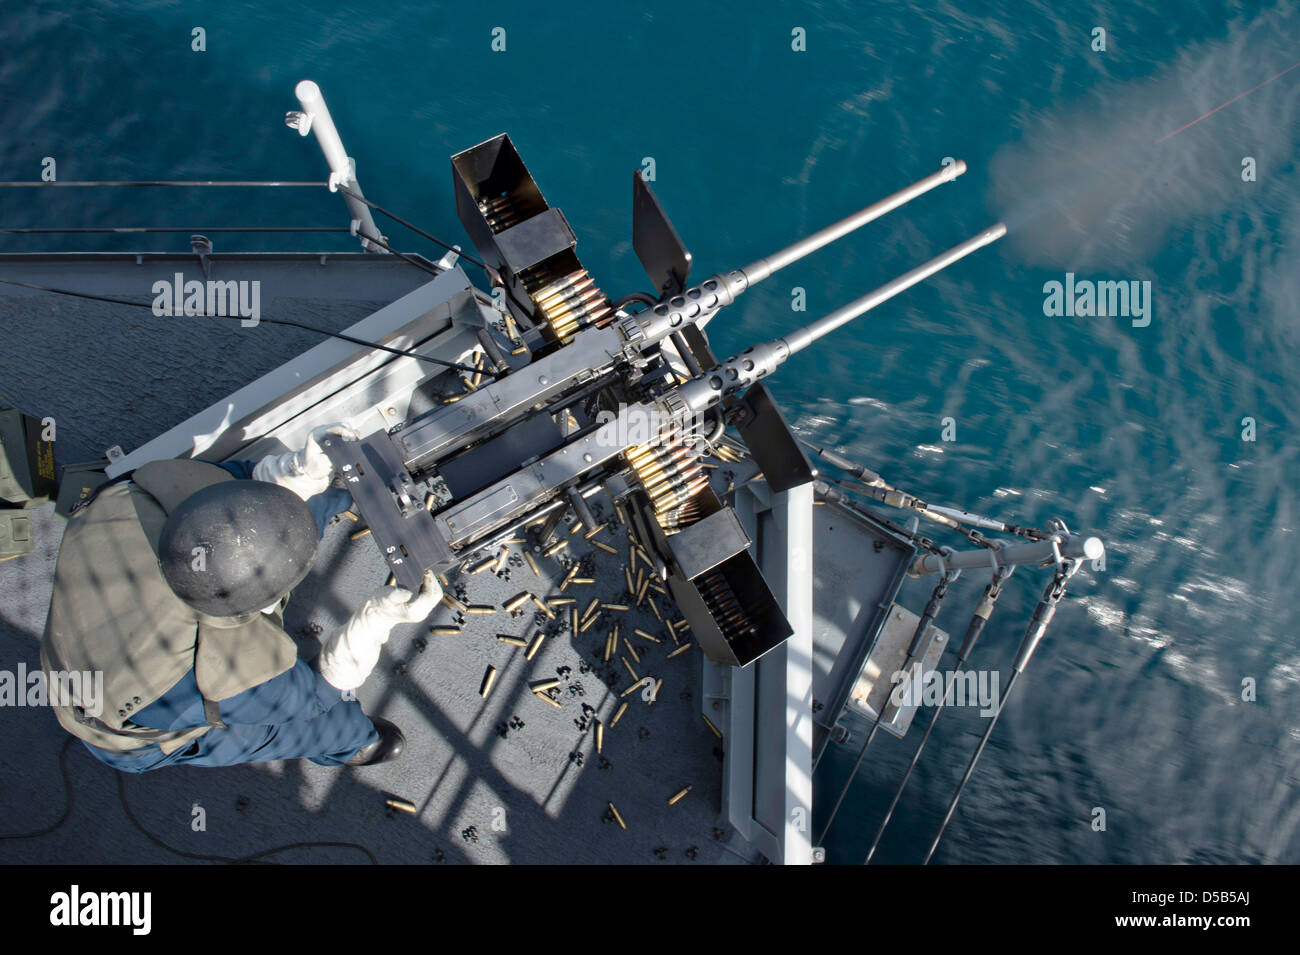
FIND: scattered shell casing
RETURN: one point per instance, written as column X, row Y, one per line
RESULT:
column 603, row 546
column 429, row 500
column 555, row 548
column 489, row 680
column 627, row 575
column 596, row 530
column 535, row 645
column 636, row 657
column 514, row 603
column 568, row 578
column 544, row 685
column 618, row 715
column 561, row 601
column 451, row 603
column 630, row 670
column 541, row 605
column 676, row 797
column 658, row 588
column 600, row 736
column 659, row 685
column 573, row 622
column 445, row 631
column 672, row 631
column 532, row 564
column 617, row 607
column 655, row 607
column 513, row 641
column 358, row 534
column 610, row 641
column 635, row 686
column 352, row 515
column 502, row 556
column 645, row 636
column 617, row 818
column 482, row 565
column 682, row 649
column 480, row 609
column 595, row 602
column 546, row 699
column 709, row 723
column 397, row 802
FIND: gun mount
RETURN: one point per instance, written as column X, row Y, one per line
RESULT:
column 592, row 397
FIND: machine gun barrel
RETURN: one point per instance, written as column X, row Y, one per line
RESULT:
column 740, row 371
column 803, row 337
column 697, row 304
column 760, row 269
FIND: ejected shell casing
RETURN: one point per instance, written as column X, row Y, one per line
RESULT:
column 659, row 685
column 609, row 647
column 561, row 601
column 513, row 641
column 655, row 607
column 617, row 818
column 544, row 685
column 583, row 581
column 595, row 602
column 444, row 631
column 605, row 547
column 482, row 565
column 481, row 609
column 442, row 579
column 600, row 736
column 555, row 548
column 514, row 603
column 397, row 802
column 645, row 636
column 618, row 715
column 635, row 678
column 489, row 680
column 636, row 658
column 658, row 588
column 672, row 631
column 451, row 603
column 568, row 578
column 640, row 592
column 617, row 607
column 518, row 350
column 676, row 797
column 595, row 530
column 545, row 698
column 550, row 614
column 352, row 516
column 573, row 621
column 532, row 564
column 682, row 649
column 512, row 331
column 640, row 579
column 502, row 556
column 358, row 534
column 429, row 500
column 535, row 645
column 627, row 575
column 709, row 723
column 682, row 624
column 634, row 687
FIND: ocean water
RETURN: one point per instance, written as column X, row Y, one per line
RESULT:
column 1134, row 703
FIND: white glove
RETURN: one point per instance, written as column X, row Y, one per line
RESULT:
column 306, row 472
column 349, row 654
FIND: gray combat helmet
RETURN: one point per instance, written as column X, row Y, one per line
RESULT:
column 236, row 547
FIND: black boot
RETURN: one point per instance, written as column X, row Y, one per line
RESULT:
column 388, row 746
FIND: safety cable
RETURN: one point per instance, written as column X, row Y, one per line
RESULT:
column 268, row 321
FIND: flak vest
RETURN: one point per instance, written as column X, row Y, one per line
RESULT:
column 113, row 612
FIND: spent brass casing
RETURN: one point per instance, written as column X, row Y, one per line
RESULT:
column 358, row 534
column 618, row 714
column 545, row 698
column 541, row 605
column 489, row 680
column 636, row 657
column 397, row 802
column 676, row 797
column 617, row 818
column 630, row 670
column 605, row 547
column 445, row 631
column 480, row 609
column 682, row 649
column 514, row 603
column 482, row 565
column 555, row 548
column 535, row 645
column 532, row 564
column 600, row 736
column 595, row 530
column 513, row 641
column 544, row 685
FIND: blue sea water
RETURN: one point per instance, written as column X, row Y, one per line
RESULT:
column 1134, row 703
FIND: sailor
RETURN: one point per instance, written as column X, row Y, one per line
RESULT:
column 172, row 584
